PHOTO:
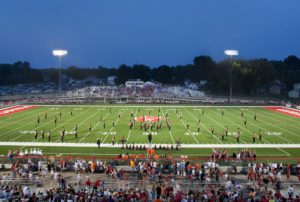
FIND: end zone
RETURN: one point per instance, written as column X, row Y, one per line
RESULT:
column 15, row 109
column 283, row 110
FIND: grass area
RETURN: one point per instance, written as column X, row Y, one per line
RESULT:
column 277, row 128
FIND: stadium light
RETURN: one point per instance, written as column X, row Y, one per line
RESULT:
column 59, row 53
column 231, row 53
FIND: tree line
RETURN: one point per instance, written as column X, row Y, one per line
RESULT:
column 247, row 75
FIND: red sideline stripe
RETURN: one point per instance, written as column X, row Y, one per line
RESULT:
column 284, row 110
column 12, row 110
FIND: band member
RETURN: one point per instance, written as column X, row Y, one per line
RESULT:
column 222, row 112
column 119, row 114
column 198, row 129
column 46, row 115
column 43, row 134
column 104, row 125
column 254, row 117
column 75, row 134
column 90, row 127
column 226, row 130
column 260, row 134
column 212, row 130
column 245, row 122
column 187, row 126
column 202, row 111
column 76, row 127
column 55, row 120
column 130, row 125
column 222, row 135
column 123, row 140
column 38, row 120
column 62, row 136
column 253, row 137
column 113, row 140
column 49, row 136
column 98, row 142
column 71, row 113
column 238, row 135
column 60, row 114
column 35, row 134
column 113, row 123
column 150, row 137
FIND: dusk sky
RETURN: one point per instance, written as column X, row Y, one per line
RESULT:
column 152, row 32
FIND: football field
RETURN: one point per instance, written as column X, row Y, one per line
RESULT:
column 198, row 128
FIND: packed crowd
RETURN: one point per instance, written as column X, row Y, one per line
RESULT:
column 146, row 91
column 156, row 180
column 244, row 154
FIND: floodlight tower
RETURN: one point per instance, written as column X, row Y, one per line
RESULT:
column 231, row 53
column 59, row 53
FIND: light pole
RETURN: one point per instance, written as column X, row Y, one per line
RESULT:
column 231, row 53
column 59, row 53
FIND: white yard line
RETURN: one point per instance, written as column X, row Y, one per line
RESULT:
column 169, row 130
column 27, row 123
column 262, row 128
column 263, row 139
column 130, row 130
column 292, row 133
column 10, row 117
column 59, row 125
column 94, row 126
column 184, row 125
column 113, row 127
column 281, row 116
column 203, row 126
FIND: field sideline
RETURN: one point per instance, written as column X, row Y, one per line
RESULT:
column 280, row 131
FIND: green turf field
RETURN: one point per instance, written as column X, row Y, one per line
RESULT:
column 277, row 128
